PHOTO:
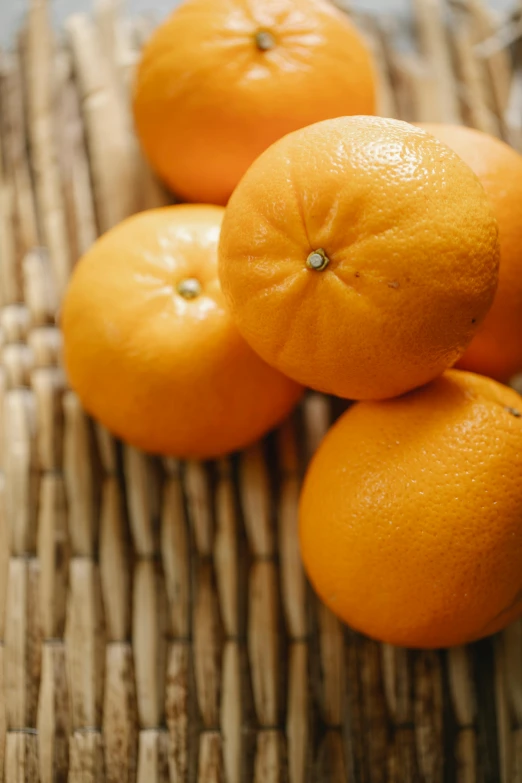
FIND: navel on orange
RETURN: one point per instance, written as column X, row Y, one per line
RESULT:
column 359, row 256
column 410, row 513
column 151, row 349
column 221, row 80
column 496, row 350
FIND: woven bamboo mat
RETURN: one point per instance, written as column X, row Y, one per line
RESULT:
column 155, row 624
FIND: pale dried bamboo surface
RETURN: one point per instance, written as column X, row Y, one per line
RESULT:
column 155, row 622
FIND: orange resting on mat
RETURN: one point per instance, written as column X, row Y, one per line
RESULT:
column 359, row 256
column 218, row 82
column 410, row 515
column 151, row 349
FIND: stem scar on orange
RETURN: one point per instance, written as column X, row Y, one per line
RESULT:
column 410, row 513
column 151, row 349
column 221, row 80
column 359, row 256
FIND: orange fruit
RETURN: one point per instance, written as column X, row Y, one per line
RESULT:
column 221, row 80
column 359, row 256
column 410, row 513
column 496, row 349
column 151, row 349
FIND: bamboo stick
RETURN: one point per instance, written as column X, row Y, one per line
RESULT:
column 428, row 714
column 225, row 550
column 142, row 506
column 207, row 648
column 53, row 551
column 255, row 498
column 40, row 80
column 111, row 143
column 178, row 711
column 148, row 643
column 176, row 558
column 79, row 478
column 85, row 643
column 297, row 728
column 263, row 643
column 292, row 576
column 21, row 758
column 332, row 765
column 86, row 758
column 53, row 720
column 120, row 722
column 269, row 764
column 23, row 639
column 153, row 757
column 197, row 490
column 231, row 715
column 3, row 721
column 114, row 564
column 210, row 767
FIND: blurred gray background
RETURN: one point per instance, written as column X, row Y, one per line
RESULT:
column 12, row 11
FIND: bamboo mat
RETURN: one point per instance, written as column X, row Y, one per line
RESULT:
column 155, row 623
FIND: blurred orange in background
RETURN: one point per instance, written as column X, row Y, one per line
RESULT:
column 496, row 350
column 218, row 82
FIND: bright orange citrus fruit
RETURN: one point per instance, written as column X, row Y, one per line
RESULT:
column 221, row 80
column 410, row 513
column 496, row 349
column 151, row 349
column 359, row 256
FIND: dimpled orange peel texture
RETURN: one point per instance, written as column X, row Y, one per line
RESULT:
column 359, row 256
column 410, row 513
